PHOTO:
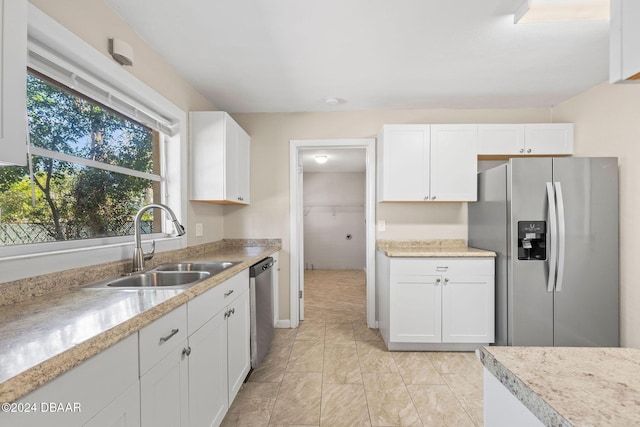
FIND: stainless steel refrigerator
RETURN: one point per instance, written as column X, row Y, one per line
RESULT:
column 553, row 223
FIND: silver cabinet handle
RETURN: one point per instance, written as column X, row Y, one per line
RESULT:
column 186, row 351
column 226, row 294
column 446, row 280
column 437, row 281
column 433, row 197
column 442, row 268
column 168, row 337
column 529, row 150
column 426, row 197
column 522, row 150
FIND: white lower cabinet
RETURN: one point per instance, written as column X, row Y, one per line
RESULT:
column 219, row 343
column 103, row 391
column 436, row 303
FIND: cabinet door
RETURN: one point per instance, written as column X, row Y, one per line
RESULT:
column 454, row 162
column 404, row 163
column 122, row 412
column 238, row 343
column 164, row 392
column 13, row 78
column 232, row 133
column 501, row 139
column 415, row 312
column 468, row 309
column 208, row 401
column 624, row 40
column 548, row 138
column 243, row 168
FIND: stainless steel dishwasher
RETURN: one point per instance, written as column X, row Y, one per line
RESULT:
column 261, row 310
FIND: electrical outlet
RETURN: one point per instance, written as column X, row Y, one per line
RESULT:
column 382, row 225
column 199, row 232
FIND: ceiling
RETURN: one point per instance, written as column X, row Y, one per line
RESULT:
column 290, row 55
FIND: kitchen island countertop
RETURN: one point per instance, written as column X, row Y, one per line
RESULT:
column 571, row 386
column 44, row 336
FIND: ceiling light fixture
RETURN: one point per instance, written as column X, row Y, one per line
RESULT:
column 531, row 11
column 321, row 159
column 333, row 101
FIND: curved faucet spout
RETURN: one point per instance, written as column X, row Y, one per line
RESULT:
column 139, row 256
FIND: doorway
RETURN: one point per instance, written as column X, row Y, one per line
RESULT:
column 336, row 148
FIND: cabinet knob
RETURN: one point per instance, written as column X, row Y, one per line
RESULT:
column 433, row 197
column 522, row 150
column 529, row 150
column 446, row 280
column 186, row 351
column 426, row 197
column 437, row 281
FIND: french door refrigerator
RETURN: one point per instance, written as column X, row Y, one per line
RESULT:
column 553, row 223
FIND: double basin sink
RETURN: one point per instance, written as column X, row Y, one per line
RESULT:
column 174, row 275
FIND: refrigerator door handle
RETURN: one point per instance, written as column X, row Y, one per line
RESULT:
column 561, row 235
column 553, row 237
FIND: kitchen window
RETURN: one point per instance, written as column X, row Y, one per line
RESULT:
column 102, row 144
column 90, row 170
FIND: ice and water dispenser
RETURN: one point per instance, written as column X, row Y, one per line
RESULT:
column 532, row 240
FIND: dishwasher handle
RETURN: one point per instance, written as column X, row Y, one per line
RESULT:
column 260, row 267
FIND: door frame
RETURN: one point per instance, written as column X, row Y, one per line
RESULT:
column 296, row 223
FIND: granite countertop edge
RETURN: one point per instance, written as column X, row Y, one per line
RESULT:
column 35, row 376
column 445, row 248
column 531, row 400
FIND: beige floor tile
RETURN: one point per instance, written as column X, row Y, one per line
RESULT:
column 344, row 405
column 416, row 368
column 283, row 336
column 273, row 366
column 389, row 401
column 252, row 406
column 311, row 330
column 341, row 366
column 299, row 399
column 339, row 334
column 474, row 408
column 438, row 406
column 306, row 356
column 451, row 362
column 374, row 357
column 363, row 333
column 467, row 385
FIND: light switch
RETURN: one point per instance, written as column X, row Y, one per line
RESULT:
column 199, row 232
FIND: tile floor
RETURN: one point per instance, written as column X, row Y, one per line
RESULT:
column 334, row 371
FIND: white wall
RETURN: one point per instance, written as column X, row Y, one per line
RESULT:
column 268, row 214
column 95, row 22
column 607, row 123
column 333, row 209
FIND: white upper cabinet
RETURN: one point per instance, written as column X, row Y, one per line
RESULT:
column 525, row 139
column 13, row 82
column 418, row 163
column 454, row 162
column 624, row 41
column 219, row 152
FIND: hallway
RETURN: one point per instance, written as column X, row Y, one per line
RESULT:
column 334, row 371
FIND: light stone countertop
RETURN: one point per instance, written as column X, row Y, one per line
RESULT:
column 45, row 336
column 430, row 249
column 571, row 386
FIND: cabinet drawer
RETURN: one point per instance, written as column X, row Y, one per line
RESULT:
column 406, row 267
column 205, row 306
column 159, row 338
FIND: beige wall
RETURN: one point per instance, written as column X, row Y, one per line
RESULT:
column 607, row 123
column 268, row 214
column 95, row 22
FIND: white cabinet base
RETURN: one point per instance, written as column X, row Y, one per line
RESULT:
column 502, row 409
column 406, row 346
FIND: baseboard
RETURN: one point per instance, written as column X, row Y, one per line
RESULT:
column 283, row 324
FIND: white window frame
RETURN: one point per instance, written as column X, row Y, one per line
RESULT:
column 22, row 261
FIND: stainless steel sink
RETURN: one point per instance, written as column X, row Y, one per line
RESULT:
column 212, row 267
column 153, row 279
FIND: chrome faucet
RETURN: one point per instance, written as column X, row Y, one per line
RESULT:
column 139, row 257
